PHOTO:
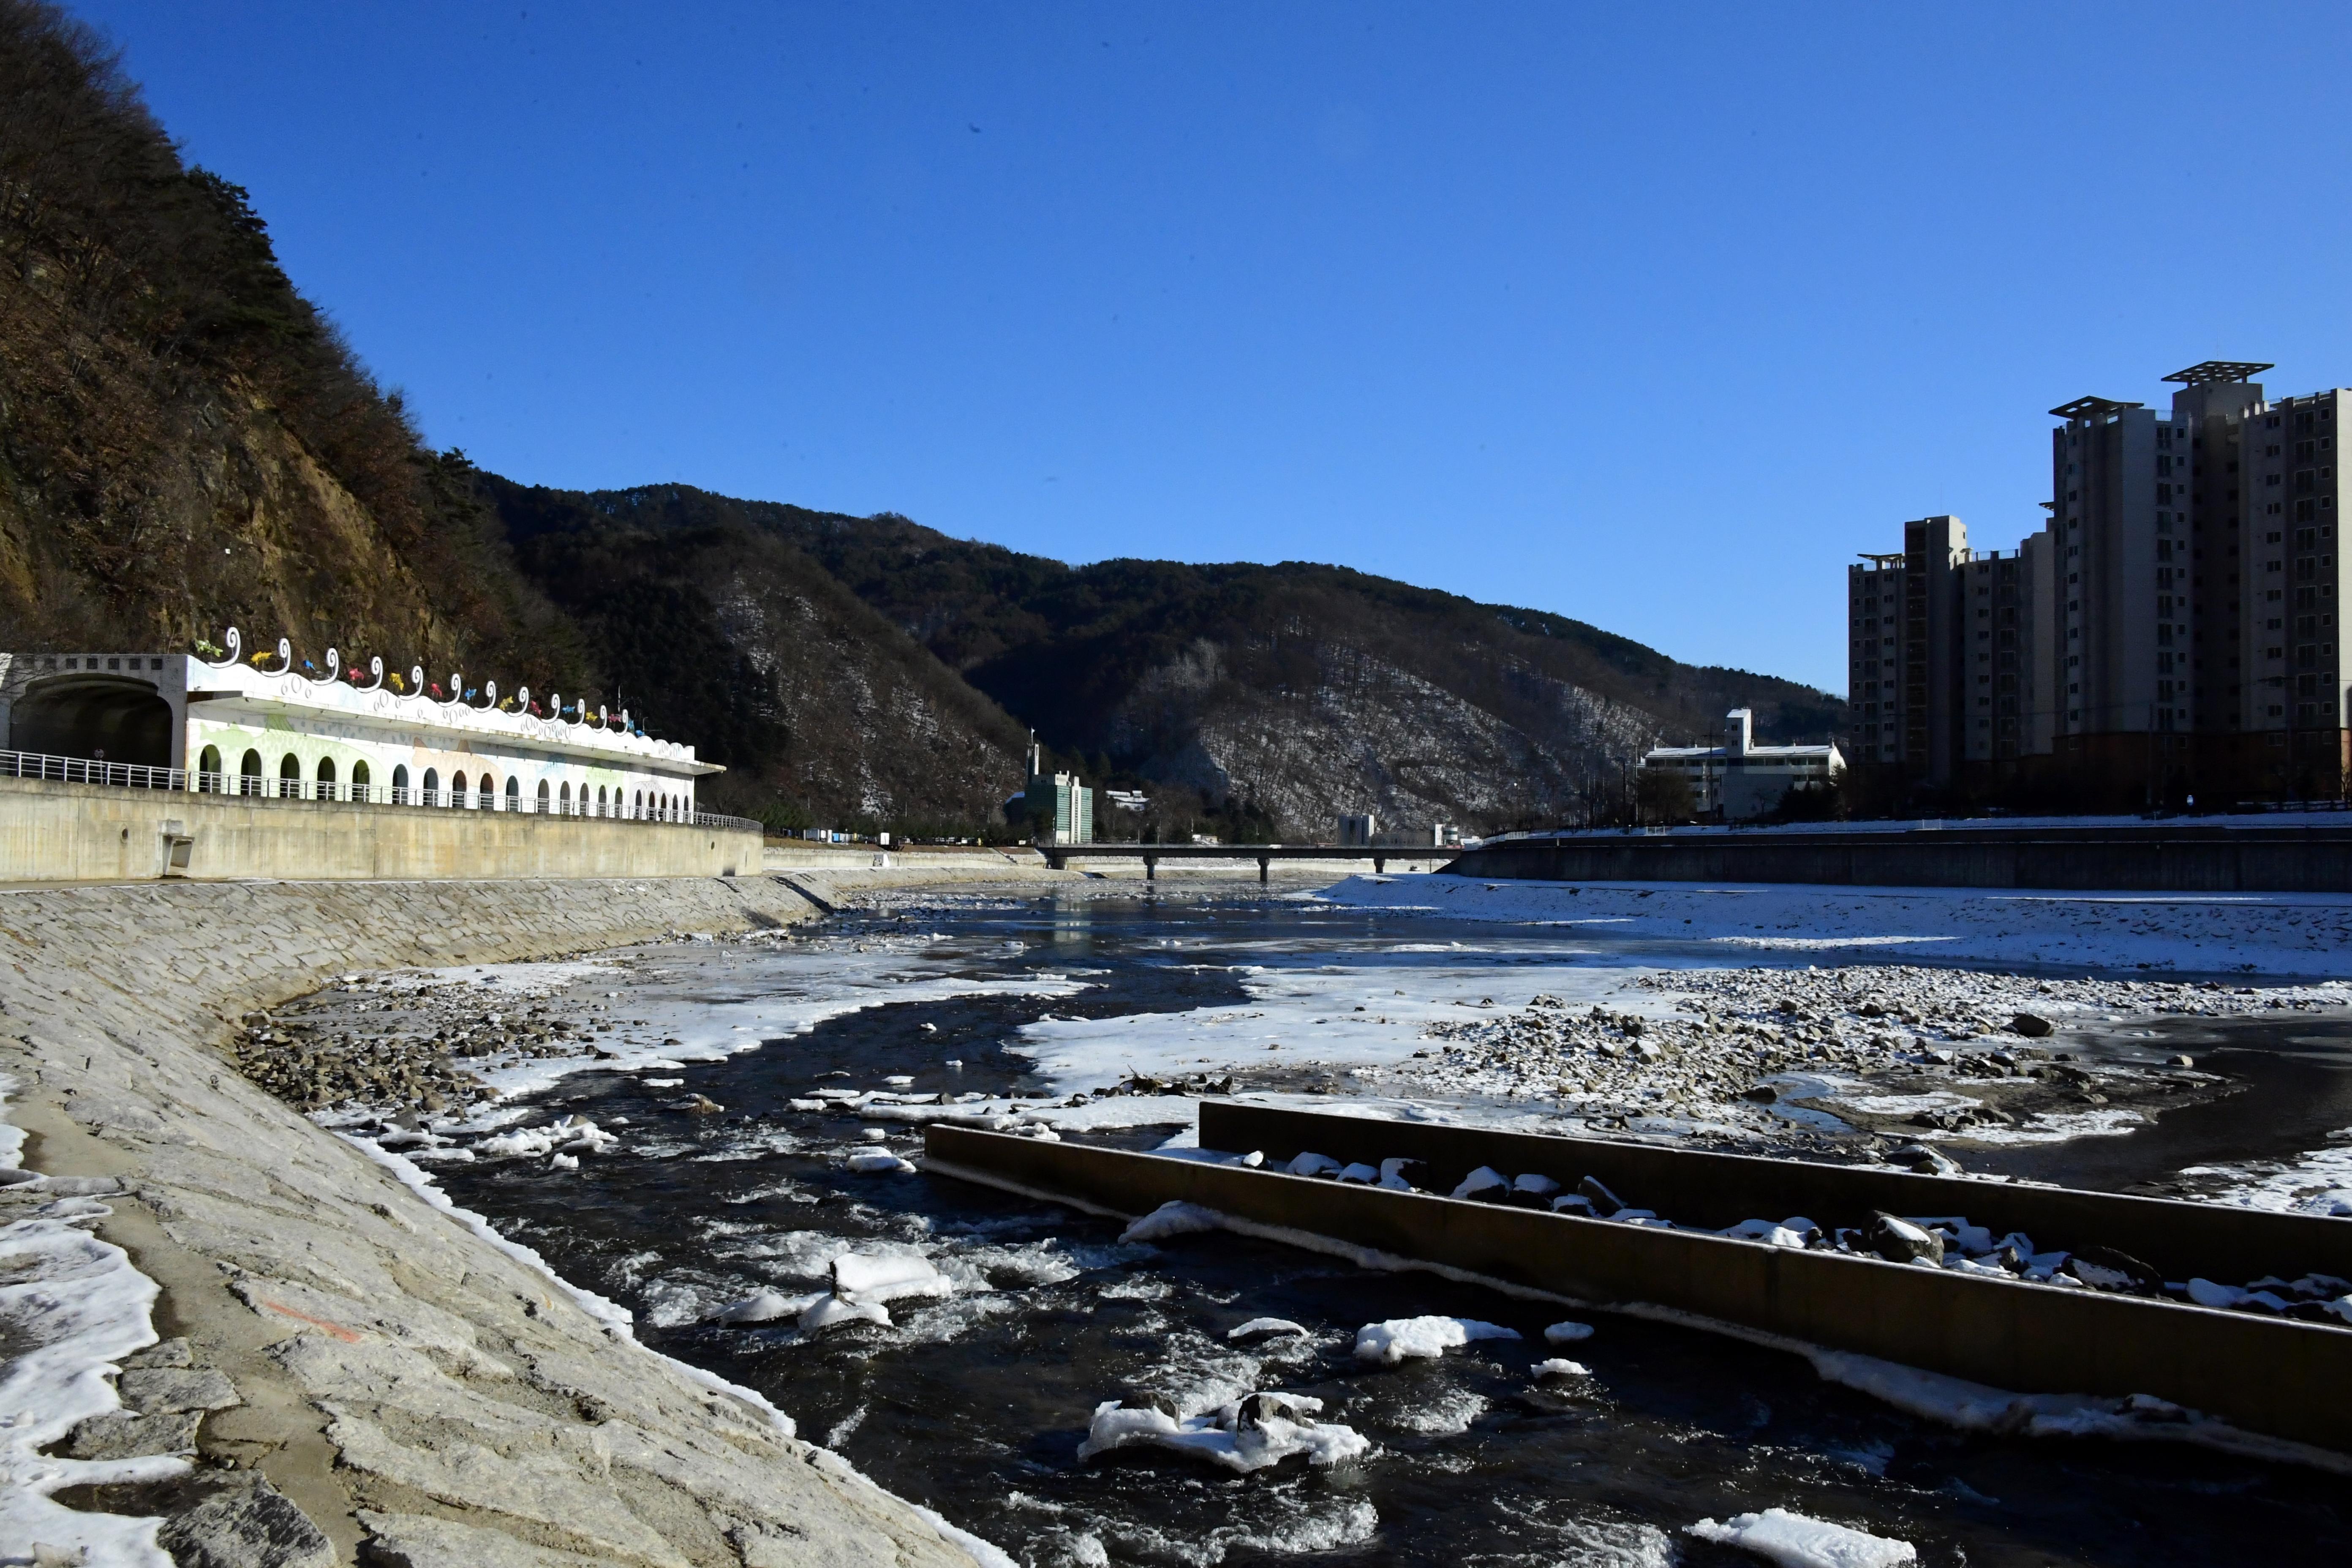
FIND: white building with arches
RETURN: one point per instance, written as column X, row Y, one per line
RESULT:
column 271, row 725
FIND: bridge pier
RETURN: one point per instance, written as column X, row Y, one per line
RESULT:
column 1380, row 864
column 1151, row 868
column 1264, row 862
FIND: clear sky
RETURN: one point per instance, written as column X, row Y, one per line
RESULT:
column 1652, row 316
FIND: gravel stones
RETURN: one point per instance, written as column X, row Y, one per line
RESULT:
column 1751, row 1057
column 1899, row 1241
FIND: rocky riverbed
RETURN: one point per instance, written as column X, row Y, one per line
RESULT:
column 1863, row 1058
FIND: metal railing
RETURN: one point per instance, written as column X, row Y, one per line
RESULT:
column 259, row 786
column 90, row 770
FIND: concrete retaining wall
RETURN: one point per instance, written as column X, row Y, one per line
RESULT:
column 88, row 833
column 424, row 1398
column 2152, row 859
column 2267, row 1376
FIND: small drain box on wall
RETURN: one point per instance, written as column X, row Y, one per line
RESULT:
column 179, row 847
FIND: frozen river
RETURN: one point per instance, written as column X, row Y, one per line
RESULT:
column 975, row 1403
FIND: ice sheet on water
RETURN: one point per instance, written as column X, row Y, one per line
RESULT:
column 833, row 1312
column 765, row 1306
column 887, row 1276
column 1278, row 1426
column 878, row 1162
column 1558, row 1366
column 1396, row 1339
column 1794, row 1540
column 1035, row 1263
column 1171, row 1219
column 2259, row 933
column 1447, row 1412
column 1258, row 1328
column 1567, row 1333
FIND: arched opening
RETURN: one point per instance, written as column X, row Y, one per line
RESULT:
column 545, row 799
column 432, row 787
column 400, row 783
column 600, row 800
column 208, row 772
column 360, row 783
column 563, row 799
column 326, row 778
column 107, row 719
column 248, row 774
column 289, row 777
column 514, row 794
column 637, row 805
column 457, row 792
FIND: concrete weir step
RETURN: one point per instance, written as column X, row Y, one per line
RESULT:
column 2276, row 1377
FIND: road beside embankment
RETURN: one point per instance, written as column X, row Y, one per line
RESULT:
column 420, row 1395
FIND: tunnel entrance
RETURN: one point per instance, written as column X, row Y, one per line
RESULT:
column 90, row 716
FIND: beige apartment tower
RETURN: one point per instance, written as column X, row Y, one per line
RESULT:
column 2171, row 630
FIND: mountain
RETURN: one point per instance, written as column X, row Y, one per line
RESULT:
column 727, row 634
column 187, row 443
column 1279, row 694
column 184, row 440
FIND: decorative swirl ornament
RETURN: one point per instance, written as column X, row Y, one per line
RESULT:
column 285, row 657
column 490, row 695
column 602, row 721
column 235, row 644
column 417, row 680
column 334, row 666
column 457, row 689
column 375, row 668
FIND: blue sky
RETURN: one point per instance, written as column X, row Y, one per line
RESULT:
column 1650, row 315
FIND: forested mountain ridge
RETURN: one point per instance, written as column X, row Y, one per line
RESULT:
column 1303, row 690
column 187, row 443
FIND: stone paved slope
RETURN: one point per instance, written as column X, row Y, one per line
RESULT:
column 406, row 1393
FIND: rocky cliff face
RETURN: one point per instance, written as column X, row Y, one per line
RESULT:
column 185, row 441
column 1370, row 736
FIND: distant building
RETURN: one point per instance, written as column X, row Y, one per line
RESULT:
column 268, row 725
column 2172, row 627
column 1062, row 808
column 1948, row 662
column 1355, row 830
column 1127, row 800
column 1742, row 780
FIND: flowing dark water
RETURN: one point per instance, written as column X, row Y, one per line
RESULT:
column 976, row 1405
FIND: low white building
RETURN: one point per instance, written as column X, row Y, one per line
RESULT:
column 1742, row 780
column 271, row 725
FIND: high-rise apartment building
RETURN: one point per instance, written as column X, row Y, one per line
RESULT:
column 2174, row 624
column 1941, row 665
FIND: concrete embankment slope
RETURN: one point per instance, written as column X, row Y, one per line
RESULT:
column 421, row 1396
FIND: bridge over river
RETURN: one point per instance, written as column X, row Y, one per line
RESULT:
column 1406, row 855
